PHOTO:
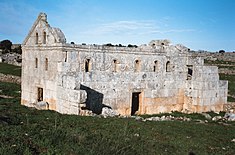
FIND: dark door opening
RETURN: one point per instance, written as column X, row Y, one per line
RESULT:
column 135, row 103
column 40, row 94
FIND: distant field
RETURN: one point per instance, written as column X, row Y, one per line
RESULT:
column 28, row 131
column 10, row 69
column 230, row 65
column 219, row 62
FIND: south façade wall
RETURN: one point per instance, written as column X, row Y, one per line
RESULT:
column 113, row 86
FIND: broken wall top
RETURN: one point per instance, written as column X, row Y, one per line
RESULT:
column 41, row 28
column 55, row 35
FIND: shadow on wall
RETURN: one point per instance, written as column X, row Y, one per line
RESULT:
column 94, row 101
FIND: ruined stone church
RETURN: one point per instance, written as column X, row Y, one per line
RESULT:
column 148, row 79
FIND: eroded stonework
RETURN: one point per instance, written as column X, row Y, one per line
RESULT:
column 149, row 79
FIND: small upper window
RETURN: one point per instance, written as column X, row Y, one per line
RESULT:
column 168, row 66
column 66, row 56
column 137, row 65
column 36, row 39
column 44, row 37
column 46, row 64
column 36, row 62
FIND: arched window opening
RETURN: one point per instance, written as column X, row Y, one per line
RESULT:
column 46, row 64
column 36, row 62
column 44, row 37
column 168, row 66
column 87, row 65
column 155, row 67
column 115, row 67
column 36, row 39
column 137, row 65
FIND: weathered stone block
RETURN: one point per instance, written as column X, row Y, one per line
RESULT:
column 69, row 82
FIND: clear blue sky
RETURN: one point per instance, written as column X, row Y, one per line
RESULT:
column 197, row 24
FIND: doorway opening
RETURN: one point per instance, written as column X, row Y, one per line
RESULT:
column 135, row 103
column 40, row 94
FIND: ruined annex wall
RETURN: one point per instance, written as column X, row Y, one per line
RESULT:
column 205, row 92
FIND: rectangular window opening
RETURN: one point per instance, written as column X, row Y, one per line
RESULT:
column 190, row 72
column 87, row 65
column 36, row 62
column 46, row 64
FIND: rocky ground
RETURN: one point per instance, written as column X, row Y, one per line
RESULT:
column 10, row 78
column 11, row 58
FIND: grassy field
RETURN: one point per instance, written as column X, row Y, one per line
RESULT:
column 10, row 69
column 25, row 130
column 28, row 131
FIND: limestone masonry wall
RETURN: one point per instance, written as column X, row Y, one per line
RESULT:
column 154, row 78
